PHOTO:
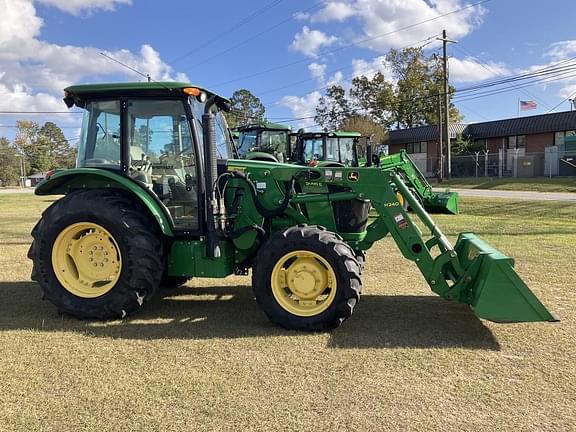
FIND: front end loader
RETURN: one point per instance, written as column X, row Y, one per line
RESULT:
column 158, row 197
column 433, row 202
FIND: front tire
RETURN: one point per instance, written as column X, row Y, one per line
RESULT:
column 307, row 278
column 97, row 254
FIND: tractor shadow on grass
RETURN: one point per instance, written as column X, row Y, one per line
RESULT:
column 230, row 312
column 413, row 322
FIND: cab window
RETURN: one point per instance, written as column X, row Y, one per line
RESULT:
column 99, row 145
column 162, row 158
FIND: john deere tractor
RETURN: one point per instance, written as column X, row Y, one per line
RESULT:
column 272, row 142
column 157, row 197
column 264, row 141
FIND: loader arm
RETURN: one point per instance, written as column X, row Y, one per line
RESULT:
column 472, row 272
column 434, row 202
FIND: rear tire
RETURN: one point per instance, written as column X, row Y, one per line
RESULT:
column 307, row 278
column 106, row 228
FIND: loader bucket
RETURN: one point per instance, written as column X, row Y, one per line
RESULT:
column 442, row 202
column 498, row 293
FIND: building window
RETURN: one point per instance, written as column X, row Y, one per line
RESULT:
column 518, row 141
column 418, row 147
column 481, row 144
column 559, row 136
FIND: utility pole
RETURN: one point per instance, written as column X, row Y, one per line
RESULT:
column 446, row 136
column 440, row 140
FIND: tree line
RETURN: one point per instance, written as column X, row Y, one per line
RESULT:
column 34, row 149
column 408, row 97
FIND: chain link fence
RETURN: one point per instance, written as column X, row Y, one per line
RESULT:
column 554, row 161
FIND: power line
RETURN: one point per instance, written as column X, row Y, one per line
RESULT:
column 556, row 71
column 464, row 50
column 227, row 50
column 564, row 100
column 475, row 92
column 239, row 24
column 425, row 42
column 353, row 44
column 549, row 70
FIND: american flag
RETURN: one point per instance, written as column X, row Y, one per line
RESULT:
column 527, row 105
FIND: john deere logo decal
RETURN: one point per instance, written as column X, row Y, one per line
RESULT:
column 353, row 176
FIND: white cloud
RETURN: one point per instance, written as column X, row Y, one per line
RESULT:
column 470, row 70
column 562, row 50
column 334, row 11
column 19, row 98
column 383, row 20
column 370, row 68
column 19, row 21
column 568, row 91
column 561, row 55
column 337, row 79
column 75, row 7
column 33, row 72
column 318, row 72
column 301, row 16
column 309, row 42
column 304, row 106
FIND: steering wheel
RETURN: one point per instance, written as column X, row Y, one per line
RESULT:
column 101, row 128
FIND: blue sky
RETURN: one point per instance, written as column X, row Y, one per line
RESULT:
column 284, row 51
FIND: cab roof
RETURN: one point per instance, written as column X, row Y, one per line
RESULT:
column 83, row 92
column 266, row 125
column 339, row 134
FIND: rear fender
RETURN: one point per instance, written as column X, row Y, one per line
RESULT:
column 66, row 181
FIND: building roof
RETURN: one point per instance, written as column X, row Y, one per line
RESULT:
column 543, row 123
column 424, row 133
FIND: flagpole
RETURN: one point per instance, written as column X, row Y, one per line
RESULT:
column 518, row 108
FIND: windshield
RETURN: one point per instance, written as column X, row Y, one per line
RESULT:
column 246, row 141
column 100, row 141
column 313, row 149
column 223, row 142
column 347, row 151
column 332, row 152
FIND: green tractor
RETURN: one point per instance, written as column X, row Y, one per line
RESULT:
column 327, row 149
column 264, row 141
column 273, row 142
column 157, row 197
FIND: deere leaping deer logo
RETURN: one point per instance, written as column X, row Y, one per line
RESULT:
column 353, row 176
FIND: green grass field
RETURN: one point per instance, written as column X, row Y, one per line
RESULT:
column 204, row 357
column 536, row 184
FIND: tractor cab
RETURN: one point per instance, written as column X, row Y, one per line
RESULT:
column 327, row 148
column 152, row 133
column 264, row 141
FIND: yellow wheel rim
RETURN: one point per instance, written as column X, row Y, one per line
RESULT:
column 303, row 283
column 86, row 260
